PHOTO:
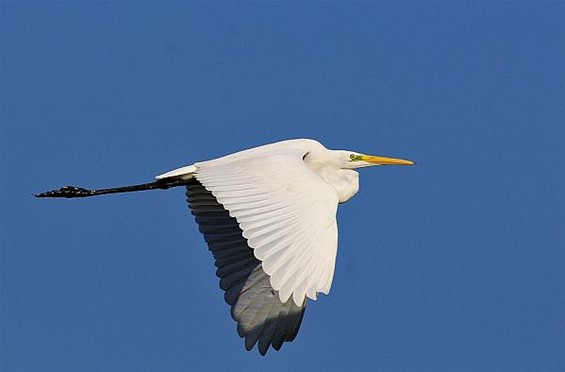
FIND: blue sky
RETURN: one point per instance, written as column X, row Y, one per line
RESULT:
column 455, row 264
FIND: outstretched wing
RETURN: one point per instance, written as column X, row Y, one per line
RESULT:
column 262, row 318
column 271, row 224
column 287, row 214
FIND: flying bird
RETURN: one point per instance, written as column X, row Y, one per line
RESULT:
column 268, row 215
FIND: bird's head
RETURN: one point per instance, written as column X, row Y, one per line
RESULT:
column 353, row 160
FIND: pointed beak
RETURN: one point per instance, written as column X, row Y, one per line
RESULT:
column 381, row 160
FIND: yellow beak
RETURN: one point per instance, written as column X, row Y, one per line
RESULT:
column 381, row 160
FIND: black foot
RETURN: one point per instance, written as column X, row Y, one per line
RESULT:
column 65, row 192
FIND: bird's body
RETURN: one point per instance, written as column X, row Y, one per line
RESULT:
column 268, row 215
column 319, row 160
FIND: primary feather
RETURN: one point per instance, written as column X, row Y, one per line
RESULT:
column 255, row 304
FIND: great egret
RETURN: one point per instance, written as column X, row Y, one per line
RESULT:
column 268, row 215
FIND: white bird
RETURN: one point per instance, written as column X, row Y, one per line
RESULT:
column 268, row 215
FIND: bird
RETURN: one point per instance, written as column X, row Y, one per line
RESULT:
column 268, row 215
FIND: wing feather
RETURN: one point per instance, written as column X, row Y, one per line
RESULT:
column 256, row 306
column 270, row 222
column 287, row 214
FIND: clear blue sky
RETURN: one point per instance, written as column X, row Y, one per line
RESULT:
column 455, row 264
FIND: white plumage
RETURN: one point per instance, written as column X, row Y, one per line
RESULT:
column 268, row 215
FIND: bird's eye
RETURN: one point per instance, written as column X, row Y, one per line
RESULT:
column 352, row 156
